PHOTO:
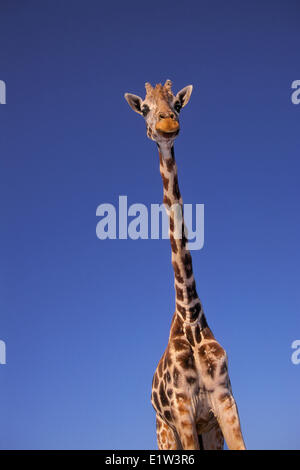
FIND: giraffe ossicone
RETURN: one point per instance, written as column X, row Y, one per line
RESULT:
column 191, row 390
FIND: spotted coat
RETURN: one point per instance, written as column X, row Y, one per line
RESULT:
column 191, row 390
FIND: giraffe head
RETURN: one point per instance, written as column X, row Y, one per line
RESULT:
column 160, row 109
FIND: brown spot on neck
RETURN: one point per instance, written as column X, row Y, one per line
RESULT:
column 170, row 162
column 165, row 182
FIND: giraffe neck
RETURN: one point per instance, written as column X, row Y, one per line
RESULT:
column 188, row 305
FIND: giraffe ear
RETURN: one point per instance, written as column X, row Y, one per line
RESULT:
column 134, row 102
column 183, row 96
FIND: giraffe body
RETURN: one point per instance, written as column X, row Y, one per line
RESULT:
column 191, row 390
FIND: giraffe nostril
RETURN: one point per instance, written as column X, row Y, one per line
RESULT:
column 171, row 115
column 161, row 116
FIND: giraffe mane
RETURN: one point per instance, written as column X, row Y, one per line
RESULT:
column 159, row 92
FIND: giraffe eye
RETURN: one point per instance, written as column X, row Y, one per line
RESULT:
column 177, row 106
column 145, row 110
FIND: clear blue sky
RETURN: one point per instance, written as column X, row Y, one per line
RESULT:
column 85, row 321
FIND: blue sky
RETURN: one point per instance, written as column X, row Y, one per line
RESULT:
column 85, row 321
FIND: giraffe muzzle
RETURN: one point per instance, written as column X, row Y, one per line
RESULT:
column 167, row 127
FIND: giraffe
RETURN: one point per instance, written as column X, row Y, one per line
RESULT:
column 191, row 389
